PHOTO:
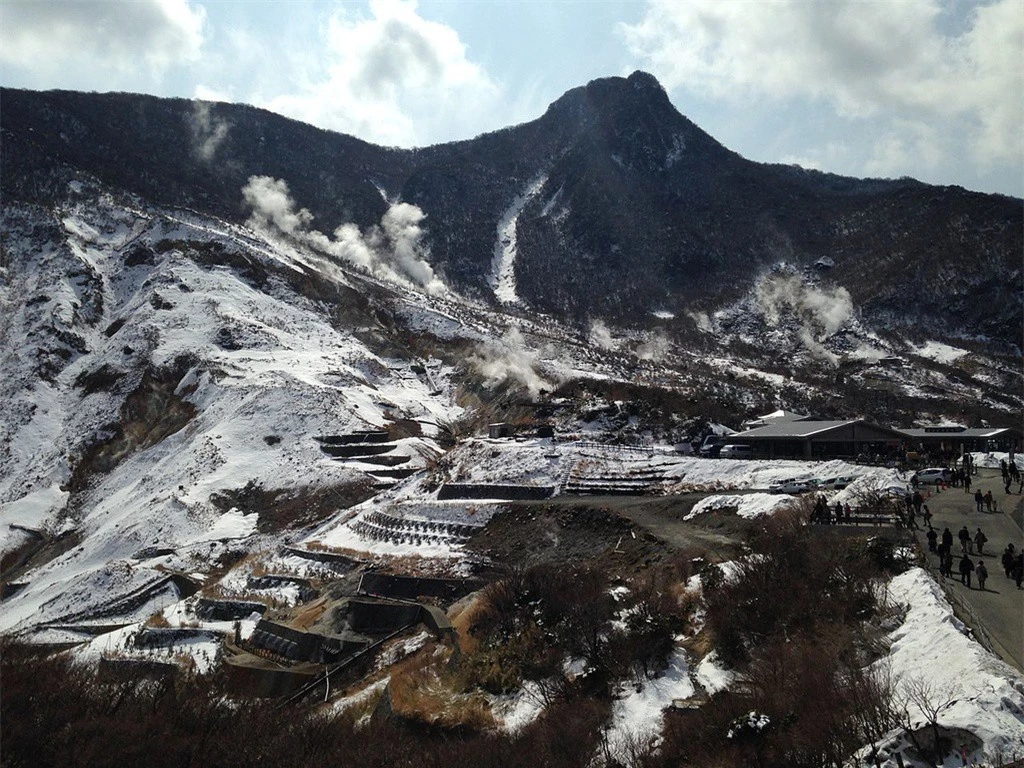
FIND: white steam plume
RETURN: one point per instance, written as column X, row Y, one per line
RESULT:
column 820, row 312
column 601, row 336
column 393, row 251
column 655, row 349
column 702, row 320
column 508, row 359
column 208, row 132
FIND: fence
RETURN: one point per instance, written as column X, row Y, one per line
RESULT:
column 961, row 608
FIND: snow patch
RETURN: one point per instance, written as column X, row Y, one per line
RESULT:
column 503, row 277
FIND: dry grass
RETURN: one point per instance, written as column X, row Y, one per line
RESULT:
column 157, row 620
column 423, row 688
column 464, row 615
column 311, row 613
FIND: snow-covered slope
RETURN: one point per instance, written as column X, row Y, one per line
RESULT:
column 153, row 364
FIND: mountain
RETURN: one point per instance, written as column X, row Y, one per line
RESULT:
column 192, row 293
column 610, row 185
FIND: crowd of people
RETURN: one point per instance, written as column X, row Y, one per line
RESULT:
column 942, row 545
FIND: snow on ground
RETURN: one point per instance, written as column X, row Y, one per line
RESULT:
column 749, row 505
column 939, row 352
column 991, row 460
column 878, row 481
column 637, row 713
column 932, row 645
column 757, row 474
column 33, row 510
column 517, row 710
column 360, row 697
column 503, row 277
column 711, row 676
column 264, row 368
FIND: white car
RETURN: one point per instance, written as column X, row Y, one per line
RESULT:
column 933, row 476
column 837, row 483
column 733, row 451
column 790, row 486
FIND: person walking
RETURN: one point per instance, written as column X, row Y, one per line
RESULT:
column 966, row 569
column 982, row 572
column 1018, row 569
column 988, row 501
column 932, row 537
column 979, row 499
column 927, row 515
column 947, row 538
column 965, row 540
column 979, row 541
column 1007, row 560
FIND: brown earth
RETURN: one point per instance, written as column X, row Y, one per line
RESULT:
column 625, row 534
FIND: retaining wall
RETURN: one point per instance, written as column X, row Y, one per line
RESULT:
column 502, row 492
column 412, row 587
column 227, row 610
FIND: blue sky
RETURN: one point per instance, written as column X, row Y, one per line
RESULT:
column 922, row 88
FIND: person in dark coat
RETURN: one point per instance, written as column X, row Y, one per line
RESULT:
column 979, row 499
column 947, row 565
column 966, row 569
column 1018, row 569
column 965, row 540
column 982, row 572
column 979, row 541
column 933, row 537
column 927, row 515
column 1007, row 560
column 947, row 538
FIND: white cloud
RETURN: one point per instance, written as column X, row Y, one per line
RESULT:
column 934, row 91
column 120, row 38
column 394, row 78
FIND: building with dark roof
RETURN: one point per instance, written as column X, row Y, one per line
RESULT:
column 817, row 439
column 953, row 440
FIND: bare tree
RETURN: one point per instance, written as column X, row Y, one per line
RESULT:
column 931, row 699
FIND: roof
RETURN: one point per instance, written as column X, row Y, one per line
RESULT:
column 803, row 429
column 778, row 416
column 955, row 432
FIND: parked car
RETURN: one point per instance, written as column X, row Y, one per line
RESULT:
column 711, row 446
column 736, row 452
column 932, row 476
column 837, row 483
column 792, row 486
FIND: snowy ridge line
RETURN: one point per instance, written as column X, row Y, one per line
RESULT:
column 503, row 277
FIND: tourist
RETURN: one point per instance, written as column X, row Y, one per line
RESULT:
column 982, row 572
column 966, row 569
column 965, row 540
column 1007, row 560
column 947, row 538
column 979, row 541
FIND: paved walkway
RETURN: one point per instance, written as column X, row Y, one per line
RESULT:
column 1001, row 606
